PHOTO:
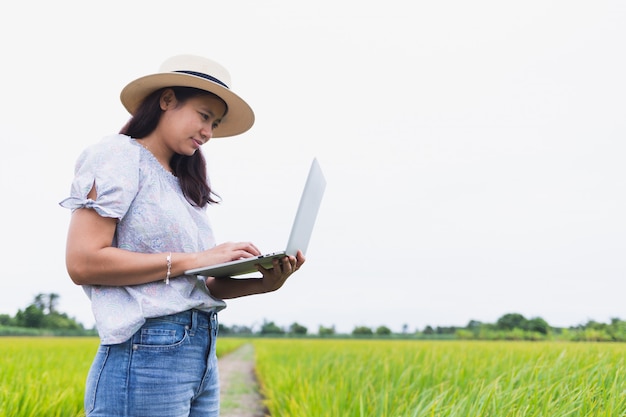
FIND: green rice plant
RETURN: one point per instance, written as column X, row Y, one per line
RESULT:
column 225, row 345
column 44, row 376
column 441, row 378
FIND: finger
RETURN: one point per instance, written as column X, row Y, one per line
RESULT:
column 293, row 263
column 255, row 251
column 300, row 258
column 246, row 249
column 289, row 264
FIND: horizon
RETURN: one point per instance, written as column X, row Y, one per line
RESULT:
column 474, row 151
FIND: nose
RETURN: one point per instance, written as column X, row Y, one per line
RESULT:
column 206, row 134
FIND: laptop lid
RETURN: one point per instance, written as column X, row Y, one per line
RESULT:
column 308, row 208
column 299, row 237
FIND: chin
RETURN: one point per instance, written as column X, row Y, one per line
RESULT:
column 188, row 152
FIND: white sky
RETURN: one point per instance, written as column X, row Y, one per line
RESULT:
column 474, row 151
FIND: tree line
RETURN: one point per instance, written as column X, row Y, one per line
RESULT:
column 510, row 326
column 42, row 317
column 515, row 326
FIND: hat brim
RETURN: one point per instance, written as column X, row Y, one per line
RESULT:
column 239, row 117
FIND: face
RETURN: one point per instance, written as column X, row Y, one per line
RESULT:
column 184, row 127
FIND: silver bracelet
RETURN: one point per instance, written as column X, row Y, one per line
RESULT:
column 169, row 268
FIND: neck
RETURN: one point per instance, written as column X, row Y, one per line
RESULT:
column 160, row 152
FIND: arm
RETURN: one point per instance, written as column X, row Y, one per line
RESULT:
column 271, row 280
column 91, row 260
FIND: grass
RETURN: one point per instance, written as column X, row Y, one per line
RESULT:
column 309, row 377
column 412, row 378
column 45, row 376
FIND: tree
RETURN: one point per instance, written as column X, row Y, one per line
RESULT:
column 383, row 331
column 242, row 330
column 223, row 329
column 271, row 328
column 326, row 331
column 537, row 324
column 32, row 317
column 42, row 314
column 60, row 321
column 362, row 331
column 445, row 330
column 52, row 302
column 6, row 320
column 617, row 329
column 39, row 301
column 473, row 325
column 296, row 328
column 511, row 321
column 236, row 329
column 47, row 303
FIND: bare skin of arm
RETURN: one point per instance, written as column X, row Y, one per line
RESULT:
column 91, row 260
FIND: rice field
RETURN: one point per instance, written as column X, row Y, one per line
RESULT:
column 313, row 377
column 442, row 378
column 45, row 377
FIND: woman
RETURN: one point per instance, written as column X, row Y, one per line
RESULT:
column 138, row 222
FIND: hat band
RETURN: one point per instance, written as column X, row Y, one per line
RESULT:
column 205, row 76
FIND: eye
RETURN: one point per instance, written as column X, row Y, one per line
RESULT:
column 204, row 116
column 215, row 125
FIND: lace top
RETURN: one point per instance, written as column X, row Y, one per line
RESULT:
column 153, row 217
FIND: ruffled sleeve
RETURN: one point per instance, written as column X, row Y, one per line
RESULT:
column 113, row 166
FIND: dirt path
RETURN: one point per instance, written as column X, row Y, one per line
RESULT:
column 239, row 388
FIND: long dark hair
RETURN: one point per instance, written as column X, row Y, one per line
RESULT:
column 190, row 170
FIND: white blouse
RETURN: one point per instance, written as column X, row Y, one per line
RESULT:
column 154, row 217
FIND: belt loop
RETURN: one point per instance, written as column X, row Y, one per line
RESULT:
column 213, row 315
column 194, row 322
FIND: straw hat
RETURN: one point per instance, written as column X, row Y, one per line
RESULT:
column 198, row 72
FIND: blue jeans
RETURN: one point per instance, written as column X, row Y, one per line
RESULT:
column 167, row 369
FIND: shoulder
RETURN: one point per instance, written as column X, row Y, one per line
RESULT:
column 117, row 147
column 112, row 164
column 112, row 160
column 115, row 143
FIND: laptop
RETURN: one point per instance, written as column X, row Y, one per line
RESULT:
column 298, row 239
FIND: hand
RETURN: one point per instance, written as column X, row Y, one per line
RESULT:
column 274, row 278
column 226, row 252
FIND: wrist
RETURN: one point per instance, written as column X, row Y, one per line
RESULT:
column 168, row 264
column 181, row 262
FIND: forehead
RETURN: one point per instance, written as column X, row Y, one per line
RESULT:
column 211, row 102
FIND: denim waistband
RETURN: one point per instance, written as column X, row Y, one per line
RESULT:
column 192, row 319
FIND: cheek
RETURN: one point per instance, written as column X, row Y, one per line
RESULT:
column 183, row 124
